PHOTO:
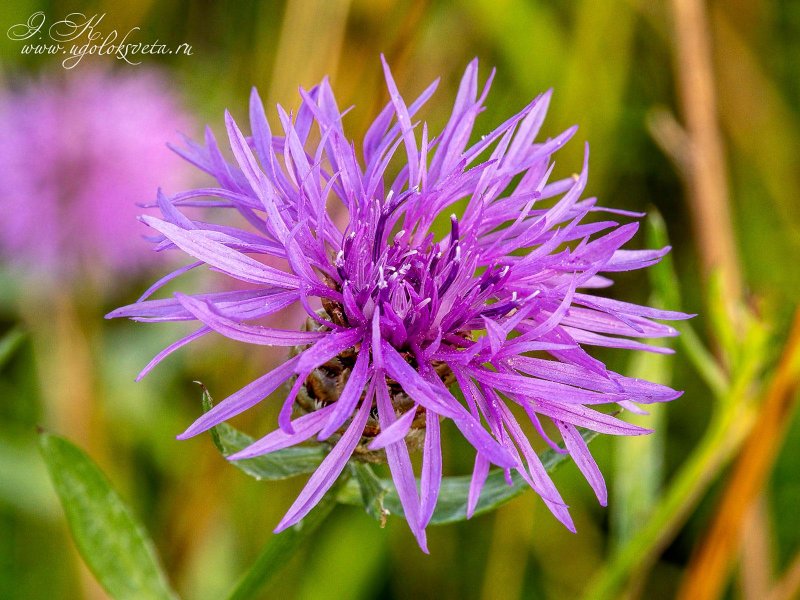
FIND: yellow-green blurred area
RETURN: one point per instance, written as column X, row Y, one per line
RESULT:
column 616, row 69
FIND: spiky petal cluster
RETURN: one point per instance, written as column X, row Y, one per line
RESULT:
column 78, row 152
column 502, row 303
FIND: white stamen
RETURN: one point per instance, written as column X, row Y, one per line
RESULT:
column 381, row 281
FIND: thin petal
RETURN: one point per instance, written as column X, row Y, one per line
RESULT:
column 264, row 336
column 223, row 258
column 431, row 476
column 479, row 474
column 327, row 473
column 305, row 427
column 248, row 396
column 400, row 467
column 395, row 432
column 583, row 458
column 351, row 394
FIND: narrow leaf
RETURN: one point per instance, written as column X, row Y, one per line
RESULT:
column 110, row 539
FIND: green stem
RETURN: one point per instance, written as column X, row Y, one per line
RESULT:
column 702, row 360
column 280, row 548
column 723, row 436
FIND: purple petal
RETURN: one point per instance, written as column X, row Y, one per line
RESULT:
column 219, row 256
column 170, row 349
column 331, row 345
column 595, row 339
column 264, row 336
column 579, row 451
column 305, row 427
column 327, row 473
column 248, row 396
column 395, row 432
column 541, row 480
column 161, row 283
column 586, row 418
column 431, row 479
column 479, row 474
column 400, row 466
column 350, row 395
column 405, row 123
column 256, row 179
column 413, row 383
column 617, row 306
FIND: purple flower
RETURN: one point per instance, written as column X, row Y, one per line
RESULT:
column 500, row 305
column 78, row 152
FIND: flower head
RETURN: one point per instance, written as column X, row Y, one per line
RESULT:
column 77, row 154
column 500, row 305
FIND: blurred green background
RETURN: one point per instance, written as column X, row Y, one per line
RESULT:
column 616, row 69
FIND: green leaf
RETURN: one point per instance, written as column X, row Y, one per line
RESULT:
column 666, row 292
column 639, row 459
column 110, row 539
column 280, row 549
column 663, row 279
column 452, row 504
column 276, row 465
column 372, row 491
column 9, row 344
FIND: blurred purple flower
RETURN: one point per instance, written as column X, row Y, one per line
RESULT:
column 405, row 313
column 78, row 152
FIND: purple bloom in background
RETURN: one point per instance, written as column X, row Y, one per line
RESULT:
column 500, row 305
column 78, row 152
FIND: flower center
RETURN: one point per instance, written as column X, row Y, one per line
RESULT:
column 325, row 384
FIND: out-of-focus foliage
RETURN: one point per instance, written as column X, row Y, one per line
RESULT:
column 109, row 537
column 613, row 69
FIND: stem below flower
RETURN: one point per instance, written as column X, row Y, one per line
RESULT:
column 279, row 548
